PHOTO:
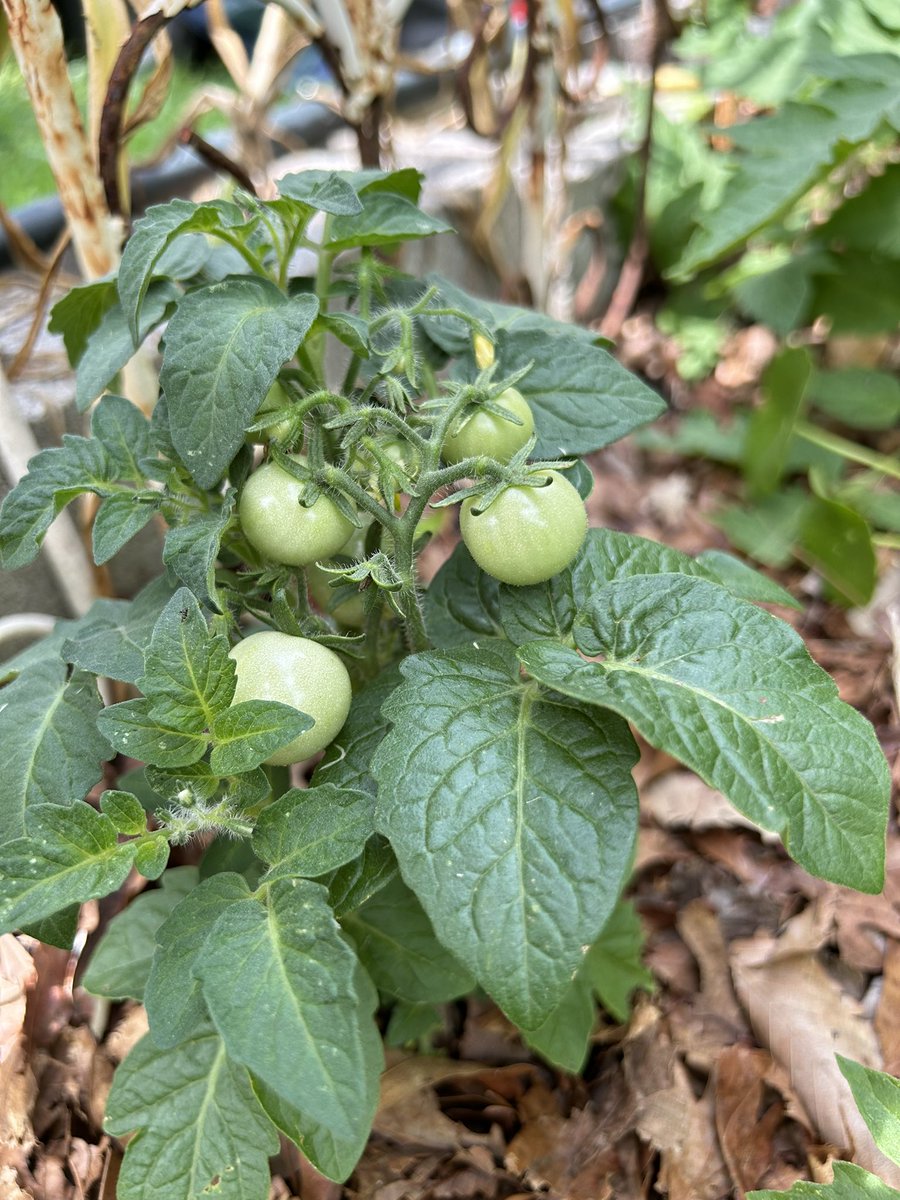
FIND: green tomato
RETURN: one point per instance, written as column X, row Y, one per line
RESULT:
column 485, row 433
column 300, row 673
column 280, row 528
column 276, row 399
column 528, row 534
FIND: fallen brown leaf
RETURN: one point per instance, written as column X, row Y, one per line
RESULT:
column 801, row 1014
column 887, row 1015
column 746, row 1125
column 17, row 975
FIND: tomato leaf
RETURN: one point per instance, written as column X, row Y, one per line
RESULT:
column 111, row 345
column 134, row 730
column 732, row 692
column 153, row 233
column 877, row 1097
column 289, row 960
column 322, row 191
column 581, row 397
column 396, row 944
column 385, row 218
column 116, row 634
column 52, row 750
column 172, row 992
column 500, row 799
column 67, row 856
column 192, row 550
column 311, row 831
column 120, row 518
column 550, row 609
column 188, row 677
column 850, row 1183
column 246, row 734
column 120, row 965
column 463, row 602
column 200, row 1129
column 224, row 346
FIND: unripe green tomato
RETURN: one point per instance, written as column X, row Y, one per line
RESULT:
column 300, row 673
column 485, row 433
column 527, row 534
column 276, row 399
column 279, row 527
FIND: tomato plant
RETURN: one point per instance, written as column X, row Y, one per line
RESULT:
column 484, row 766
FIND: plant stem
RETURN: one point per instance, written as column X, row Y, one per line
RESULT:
column 847, row 449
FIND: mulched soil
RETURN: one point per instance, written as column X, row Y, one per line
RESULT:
column 724, row 1078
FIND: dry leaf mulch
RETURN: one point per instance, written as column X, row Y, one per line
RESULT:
column 724, row 1080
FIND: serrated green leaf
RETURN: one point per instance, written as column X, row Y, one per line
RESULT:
column 172, row 993
column 120, row 965
column 52, row 751
column 505, row 804
column 201, row 1130
column 188, row 677
column 152, row 856
column 153, row 233
column 850, row 1183
column 310, row 831
column 582, row 399
column 462, row 603
column 67, row 856
column 191, row 552
column 125, row 811
column 134, row 731
column 54, row 478
column 120, row 518
column 732, row 692
column 289, row 960
column 877, row 1097
column 117, row 632
column 348, row 759
column 386, row 218
column 324, row 191
column 246, row 734
column 79, row 312
column 110, row 346
column 224, row 346
column 396, row 944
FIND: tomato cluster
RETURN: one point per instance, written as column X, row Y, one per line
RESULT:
column 532, row 529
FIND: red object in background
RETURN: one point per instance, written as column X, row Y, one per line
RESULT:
column 518, row 13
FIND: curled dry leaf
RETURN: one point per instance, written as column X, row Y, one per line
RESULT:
column 801, row 1014
column 17, row 974
column 887, row 1016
